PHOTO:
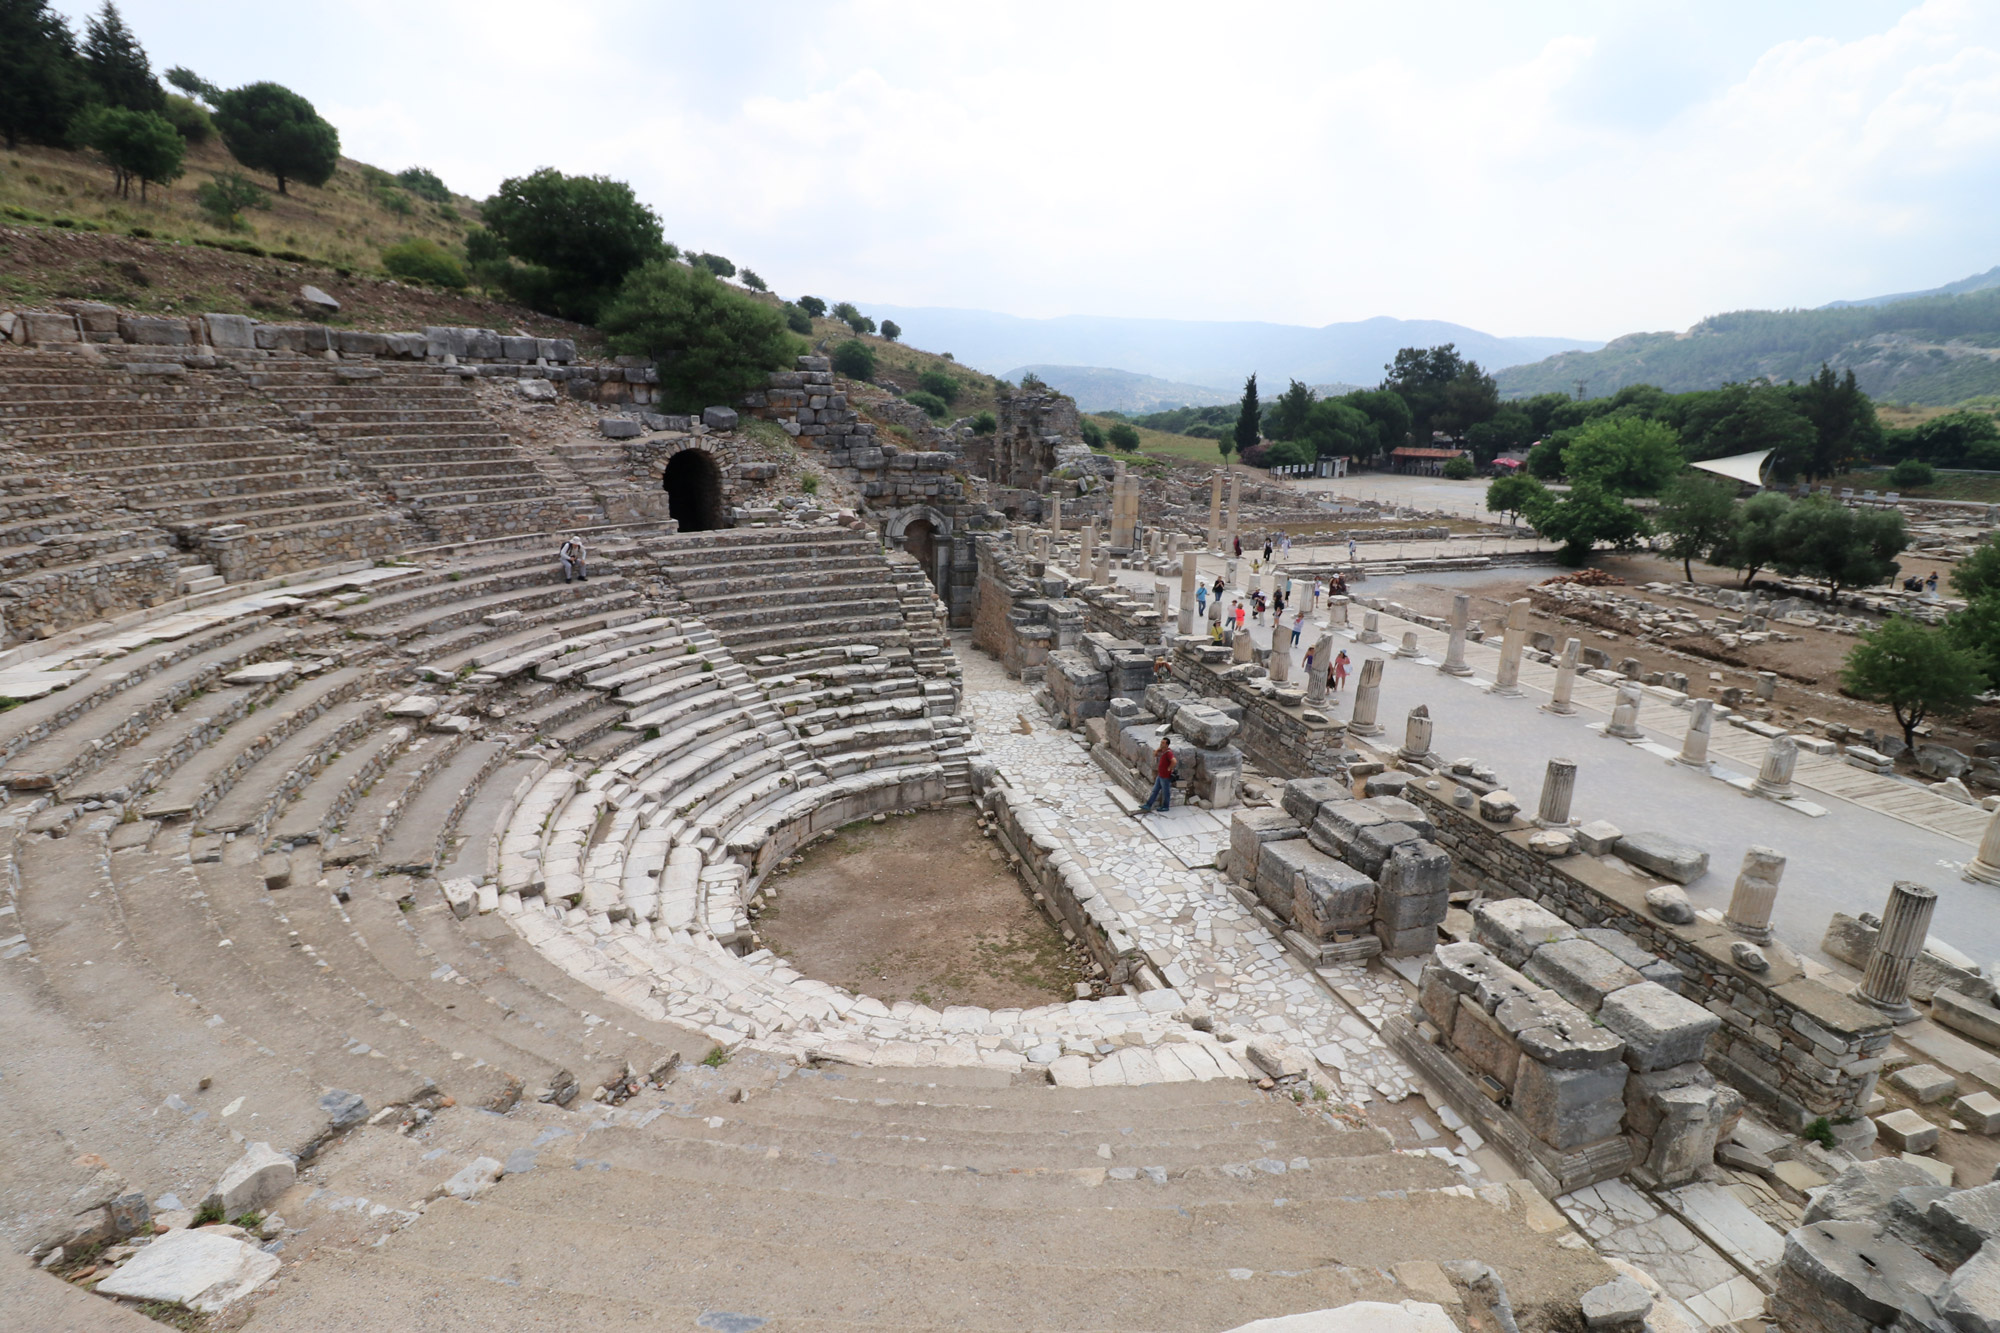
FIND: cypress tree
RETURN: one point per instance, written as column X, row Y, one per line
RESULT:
column 117, row 63
column 42, row 81
column 1248, row 419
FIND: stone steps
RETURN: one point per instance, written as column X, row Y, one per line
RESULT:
column 255, row 799
column 380, row 806
column 331, row 797
column 428, row 817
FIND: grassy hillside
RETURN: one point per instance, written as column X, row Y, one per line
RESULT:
column 1100, row 389
column 344, row 224
column 1931, row 351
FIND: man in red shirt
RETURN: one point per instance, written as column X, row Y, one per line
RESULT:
column 1164, row 765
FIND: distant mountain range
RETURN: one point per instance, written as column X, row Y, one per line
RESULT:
column 1210, row 354
column 1933, row 348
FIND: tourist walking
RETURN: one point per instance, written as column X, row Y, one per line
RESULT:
column 572, row 556
column 1239, row 547
column 1352, row 549
column 1298, row 627
column 1337, row 675
column 1307, row 672
column 1201, row 599
column 1267, row 550
column 1165, row 765
column 1239, row 617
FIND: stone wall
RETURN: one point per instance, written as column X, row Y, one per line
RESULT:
column 1284, row 739
column 40, row 602
column 1056, row 877
column 1792, row 1044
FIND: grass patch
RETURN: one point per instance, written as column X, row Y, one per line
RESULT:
column 1160, row 444
column 1819, row 1131
column 210, row 1212
column 1979, row 487
column 174, row 1315
column 716, row 1058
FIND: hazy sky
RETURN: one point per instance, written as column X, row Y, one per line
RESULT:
column 1580, row 169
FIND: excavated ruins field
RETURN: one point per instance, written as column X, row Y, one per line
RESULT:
column 917, row 908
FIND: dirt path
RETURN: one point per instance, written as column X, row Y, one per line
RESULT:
column 916, row 909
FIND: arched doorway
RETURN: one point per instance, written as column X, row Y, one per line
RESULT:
column 694, row 491
column 920, row 540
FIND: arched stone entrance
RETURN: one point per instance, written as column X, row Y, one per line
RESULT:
column 926, row 535
column 693, row 484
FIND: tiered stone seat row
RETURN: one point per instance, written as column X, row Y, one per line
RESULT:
column 419, row 432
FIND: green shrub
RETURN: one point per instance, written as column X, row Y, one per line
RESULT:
column 984, row 424
column 809, row 483
column 934, row 407
column 715, row 264
column 749, row 278
column 1123, row 438
column 424, row 184
column 1912, row 473
column 1093, row 434
column 424, row 261
column 395, row 201
column 798, row 321
column 189, row 118
column 227, row 197
column 1459, row 469
column 854, row 359
column 713, row 344
column 939, row 383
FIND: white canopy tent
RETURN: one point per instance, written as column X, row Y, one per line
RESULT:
column 1746, row 468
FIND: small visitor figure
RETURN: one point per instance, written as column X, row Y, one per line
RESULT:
column 1201, row 600
column 1307, row 670
column 1352, row 550
column 1930, row 587
column 1238, row 552
column 1267, row 550
column 1336, row 676
column 572, row 557
column 1298, row 627
column 1165, row 765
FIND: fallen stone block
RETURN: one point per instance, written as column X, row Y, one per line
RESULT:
column 1660, row 1028
column 1970, row 1298
column 1924, row 1083
column 1598, row 837
column 1619, row 1306
column 1580, row 972
column 202, row 1269
column 1498, row 807
column 1670, row 904
column 1907, row 1131
column 1513, row 928
column 1664, row 856
column 619, row 428
column 1977, row 1019
column 1863, row 1191
column 261, row 1174
column 1980, row 1112
column 1844, row 1276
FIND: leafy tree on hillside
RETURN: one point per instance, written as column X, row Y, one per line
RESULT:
column 269, row 128
column 715, row 264
column 813, row 306
column 1956, row 439
column 798, row 321
column 139, row 145
column 1093, row 434
column 1624, row 455
column 891, row 330
column 1516, row 496
column 1696, row 514
column 117, row 64
column 1918, row 671
column 1755, row 537
column 847, row 314
column 1123, row 437
column 1839, row 546
column 1248, row 420
column 579, row 235
column 749, row 278
column 713, row 344
column 424, row 183
column 42, row 80
column 1336, row 430
column 1387, row 411
column 854, row 359
column 1286, row 417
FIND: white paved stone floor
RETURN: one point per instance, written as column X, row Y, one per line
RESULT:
column 1198, row 936
column 1622, row 1223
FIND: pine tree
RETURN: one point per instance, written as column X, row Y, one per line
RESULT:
column 42, row 80
column 1248, row 419
column 118, row 64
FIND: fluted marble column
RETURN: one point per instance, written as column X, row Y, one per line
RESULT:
column 1694, row 746
column 1625, row 714
column 1775, row 778
column 1417, row 733
column 1508, row 680
column 1906, row 920
column 1454, row 653
column 1558, row 786
column 1190, row 576
column 1367, row 699
column 1756, row 890
column 1559, row 702
column 1985, row 867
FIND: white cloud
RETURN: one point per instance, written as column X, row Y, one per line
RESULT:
column 1534, row 168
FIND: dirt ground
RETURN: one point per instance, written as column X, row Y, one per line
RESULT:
column 917, row 908
column 1808, row 670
